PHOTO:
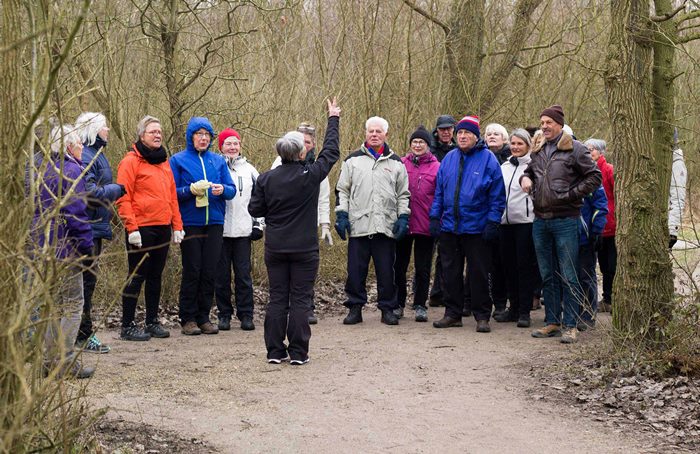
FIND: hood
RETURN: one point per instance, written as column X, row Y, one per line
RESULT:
column 195, row 124
column 565, row 143
column 677, row 155
column 234, row 162
column 425, row 158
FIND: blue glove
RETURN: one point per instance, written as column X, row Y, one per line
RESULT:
column 342, row 224
column 400, row 227
column 435, row 227
column 490, row 233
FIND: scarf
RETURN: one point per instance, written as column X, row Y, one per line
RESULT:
column 152, row 156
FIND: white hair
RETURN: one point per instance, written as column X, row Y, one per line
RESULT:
column 65, row 135
column 498, row 129
column 597, row 144
column 567, row 129
column 88, row 125
column 379, row 121
column 290, row 145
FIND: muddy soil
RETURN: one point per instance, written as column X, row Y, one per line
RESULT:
column 368, row 388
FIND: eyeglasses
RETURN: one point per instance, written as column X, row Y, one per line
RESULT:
column 418, row 142
column 202, row 135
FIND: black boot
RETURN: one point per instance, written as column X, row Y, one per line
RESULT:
column 354, row 316
column 389, row 317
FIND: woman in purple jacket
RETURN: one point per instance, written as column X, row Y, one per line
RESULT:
column 422, row 168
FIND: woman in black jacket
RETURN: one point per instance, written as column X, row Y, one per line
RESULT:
column 287, row 197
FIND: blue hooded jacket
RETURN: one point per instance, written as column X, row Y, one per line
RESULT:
column 481, row 195
column 593, row 217
column 190, row 166
column 100, row 187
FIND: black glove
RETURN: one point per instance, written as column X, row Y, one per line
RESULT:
column 123, row 190
column 672, row 239
column 490, row 233
column 400, row 227
column 342, row 224
column 596, row 241
column 435, row 227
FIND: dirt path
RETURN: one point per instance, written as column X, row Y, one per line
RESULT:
column 368, row 388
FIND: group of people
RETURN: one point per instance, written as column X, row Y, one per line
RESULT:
column 512, row 216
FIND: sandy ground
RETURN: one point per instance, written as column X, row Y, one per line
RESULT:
column 368, row 388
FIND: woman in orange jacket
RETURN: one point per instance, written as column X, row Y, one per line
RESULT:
column 149, row 210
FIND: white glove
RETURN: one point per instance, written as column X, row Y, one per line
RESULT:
column 135, row 239
column 178, row 236
column 326, row 234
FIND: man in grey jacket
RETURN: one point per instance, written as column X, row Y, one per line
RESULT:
column 372, row 209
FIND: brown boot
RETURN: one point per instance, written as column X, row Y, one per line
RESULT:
column 547, row 331
column 448, row 322
column 209, row 328
column 190, row 329
column 536, row 305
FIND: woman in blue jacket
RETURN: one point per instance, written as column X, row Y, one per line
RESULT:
column 203, row 185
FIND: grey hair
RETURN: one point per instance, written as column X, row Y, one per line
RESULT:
column 290, row 145
column 377, row 120
column 523, row 135
column 497, row 128
column 143, row 124
column 598, row 144
column 88, row 125
column 65, row 135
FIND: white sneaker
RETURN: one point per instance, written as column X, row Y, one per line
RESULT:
column 299, row 362
column 277, row 360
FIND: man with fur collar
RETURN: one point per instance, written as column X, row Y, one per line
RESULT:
column 560, row 174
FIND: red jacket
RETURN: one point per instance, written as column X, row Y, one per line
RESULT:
column 609, row 186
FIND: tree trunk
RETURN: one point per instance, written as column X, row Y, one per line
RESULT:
column 464, row 47
column 644, row 279
column 168, row 36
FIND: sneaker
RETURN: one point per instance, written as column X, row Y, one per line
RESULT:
column 389, row 317
column 505, row 316
column 312, row 319
column 421, row 314
column 448, row 322
column 247, row 323
column 191, row 329
column 523, row 322
column 569, row 335
column 299, row 362
column 277, row 360
column 398, row 312
column 354, row 315
column 134, row 333
column 547, row 331
column 208, row 328
column 482, row 326
column 156, row 330
column 224, row 323
column 93, row 345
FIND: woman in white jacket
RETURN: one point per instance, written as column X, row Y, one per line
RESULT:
column 240, row 229
column 517, row 248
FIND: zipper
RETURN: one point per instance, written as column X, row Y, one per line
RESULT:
column 527, row 205
column 204, row 171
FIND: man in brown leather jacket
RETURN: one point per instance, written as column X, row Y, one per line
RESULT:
column 560, row 174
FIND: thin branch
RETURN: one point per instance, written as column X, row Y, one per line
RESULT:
column 670, row 15
column 533, row 47
column 688, row 38
column 686, row 17
column 428, row 16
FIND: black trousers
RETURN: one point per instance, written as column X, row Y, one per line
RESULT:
column 518, row 255
column 146, row 264
column 89, row 282
column 234, row 253
column 454, row 250
column 497, row 279
column 201, row 249
column 436, row 290
column 422, row 259
column 607, row 259
column 382, row 250
column 292, row 277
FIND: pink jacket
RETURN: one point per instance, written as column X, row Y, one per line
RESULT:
column 422, row 176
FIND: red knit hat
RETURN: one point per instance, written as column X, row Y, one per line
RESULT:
column 470, row 123
column 225, row 134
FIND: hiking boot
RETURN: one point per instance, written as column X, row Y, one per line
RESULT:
column 569, row 335
column 421, row 314
column 190, row 329
column 523, row 322
column 299, row 362
column 208, row 328
column 398, row 312
column 435, row 301
column 482, row 326
column 585, row 325
column 156, row 330
column 536, row 304
column 499, row 312
column 448, row 322
column 134, row 333
column 277, row 360
column 505, row 316
column 389, row 317
column 247, row 323
column 466, row 311
column 224, row 323
column 312, row 319
column 93, row 345
column 547, row 331
column 354, row 315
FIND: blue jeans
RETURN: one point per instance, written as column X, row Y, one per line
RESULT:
column 557, row 239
